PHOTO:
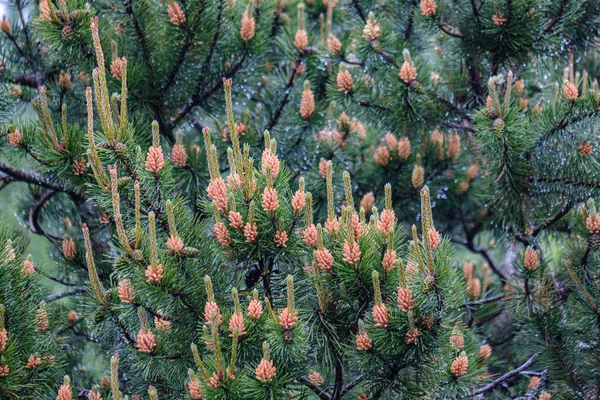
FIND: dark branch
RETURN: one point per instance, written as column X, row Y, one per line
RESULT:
column 72, row 292
column 320, row 393
column 505, row 377
column 34, row 178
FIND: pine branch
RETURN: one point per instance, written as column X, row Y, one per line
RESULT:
column 63, row 282
column 34, row 213
column 57, row 296
column 34, row 178
column 557, row 17
column 320, row 393
column 411, row 21
column 286, row 97
column 479, row 302
column 359, row 10
column 505, row 377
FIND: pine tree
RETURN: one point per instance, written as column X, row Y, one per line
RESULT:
column 29, row 354
column 477, row 101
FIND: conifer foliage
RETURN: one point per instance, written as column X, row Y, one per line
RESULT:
column 29, row 352
column 323, row 200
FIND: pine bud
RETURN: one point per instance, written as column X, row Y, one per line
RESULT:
column 457, row 341
column 4, row 369
column 195, row 389
column 381, row 315
column 217, row 192
column 125, row 291
column 250, row 232
column 115, row 68
column 15, row 138
column 298, row 201
column 41, row 318
column 387, row 221
column 269, row 163
column 389, row 260
column 221, row 233
column 315, row 378
column 64, row 81
column 175, row 244
column 5, row 25
column 534, row 382
column 351, row 252
column 382, row 155
column 3, row 331
column 248, row 26
column 545, row 396
column 474, row 288
column 65, row 392
column 344, row 81
column 265, row 372
column 531, row 260
column 68, row 248
column 73, row 316
column 79, row 167
column 485, row 351
column 453, row 146
column 363, row 342
column 592, row 223
column 367, row 202
column 372, row 30
column 310, row 236
column 45, row 10
column 570, row 91
column 324, row 259
column 178, row 154
column 428, row 8
column 145, row 341
column 323, row 168
column 33, row 362
column 255, row 309
column 154, row 160
column 418, row 176
column 307, row 103
column 270, row 202
column 28, row 268
column 332, row 225
column 468, row 268
column 391, row 141
column 281, row 238
column 154, row 273
column 288, row 319
column 334, row 45
column 94, row 394
column 472, row 171
column 176, row 14
column 212, row 311
column 412, row 336
column 405, row 300
column 499, row 19
column 301, row 39
column 408, row 72
column 162, row 325
column 459, row 366
column 434, row 238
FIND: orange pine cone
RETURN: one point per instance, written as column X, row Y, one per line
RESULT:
column 145, row 341
column 405, row 300
column 459, row 366
column 155, row 160
column 288, row 319
column 265, row 372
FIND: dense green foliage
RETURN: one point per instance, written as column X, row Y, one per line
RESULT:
column 191, row 163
